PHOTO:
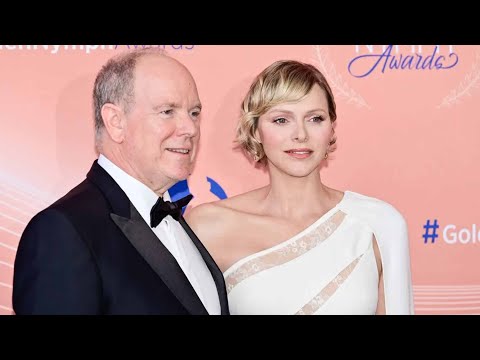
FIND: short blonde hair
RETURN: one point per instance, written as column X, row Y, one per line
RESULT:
column 283, row 81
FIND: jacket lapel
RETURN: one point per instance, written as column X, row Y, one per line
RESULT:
column 137, row 231
column 212, row 266
column 160, row 260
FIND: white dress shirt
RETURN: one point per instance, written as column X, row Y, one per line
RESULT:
column 171, row 234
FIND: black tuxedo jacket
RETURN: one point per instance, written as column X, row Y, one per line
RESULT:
column 92, row 253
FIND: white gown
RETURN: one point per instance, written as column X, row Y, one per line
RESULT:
column 330, row 267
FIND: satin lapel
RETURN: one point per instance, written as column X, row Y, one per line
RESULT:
column 160, row 259
column 212, row 266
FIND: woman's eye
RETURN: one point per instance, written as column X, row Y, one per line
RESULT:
column 317, row 119
column 280, row 120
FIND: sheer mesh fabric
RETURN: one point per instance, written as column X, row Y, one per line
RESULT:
column 288, row 252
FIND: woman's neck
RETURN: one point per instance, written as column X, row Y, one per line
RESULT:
column 295, row 197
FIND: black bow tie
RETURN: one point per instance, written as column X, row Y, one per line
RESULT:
column 163, row 208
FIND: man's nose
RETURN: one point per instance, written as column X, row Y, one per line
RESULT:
column 188, row 125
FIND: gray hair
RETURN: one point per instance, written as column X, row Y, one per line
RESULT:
column 114, row 84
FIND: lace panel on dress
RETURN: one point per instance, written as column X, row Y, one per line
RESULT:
column 328, row 291
column 286, row 253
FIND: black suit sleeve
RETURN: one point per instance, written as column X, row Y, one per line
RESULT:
column 54, row 271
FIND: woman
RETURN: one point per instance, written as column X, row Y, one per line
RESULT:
column 297, row 246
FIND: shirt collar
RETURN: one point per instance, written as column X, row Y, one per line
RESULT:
column 141, row 196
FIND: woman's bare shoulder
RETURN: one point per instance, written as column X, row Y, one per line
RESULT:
column 239, row 203
column 223, row 212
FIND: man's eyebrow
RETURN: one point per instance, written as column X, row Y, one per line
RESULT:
column 168, row 104
column 174, row 106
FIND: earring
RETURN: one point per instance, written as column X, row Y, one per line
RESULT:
column 326, row 155
column 256, row 157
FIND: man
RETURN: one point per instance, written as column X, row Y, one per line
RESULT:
column 115, row 244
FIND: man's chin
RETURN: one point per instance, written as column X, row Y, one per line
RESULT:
column 179, row 176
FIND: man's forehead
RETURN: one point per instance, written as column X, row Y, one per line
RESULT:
column 159, row 63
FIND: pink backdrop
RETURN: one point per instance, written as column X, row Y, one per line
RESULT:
column 407, row 135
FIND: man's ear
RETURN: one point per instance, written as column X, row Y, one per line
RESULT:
column 114, row 121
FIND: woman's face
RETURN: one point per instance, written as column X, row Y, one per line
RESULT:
column 295, row 135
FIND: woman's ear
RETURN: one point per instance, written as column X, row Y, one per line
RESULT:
column 257, row 136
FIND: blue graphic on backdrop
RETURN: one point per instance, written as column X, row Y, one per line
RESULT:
column 430, row 231
column 181, row 189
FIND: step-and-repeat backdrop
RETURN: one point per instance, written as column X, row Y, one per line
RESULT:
column 408, row 133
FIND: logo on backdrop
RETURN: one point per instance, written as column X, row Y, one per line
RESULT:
column 369, row 60
column 164, row 47
column 88, row 49
column 339, row 85
column 451, row 233
column 384, row 58
column 181, row 189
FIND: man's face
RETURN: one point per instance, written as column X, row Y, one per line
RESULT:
column 162, row 127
